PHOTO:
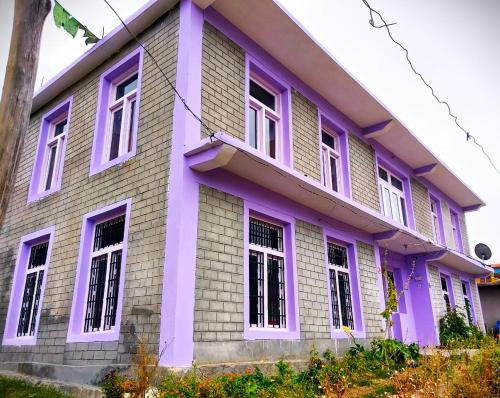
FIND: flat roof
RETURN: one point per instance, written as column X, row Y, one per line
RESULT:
column 325, row 75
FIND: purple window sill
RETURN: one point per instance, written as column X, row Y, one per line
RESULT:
column 270, row 334
column 19, row 341
column 340, row 334
column 42, row 195
column 109, row 335
column 117, row 161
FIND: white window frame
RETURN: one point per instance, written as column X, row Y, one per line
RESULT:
column 387, row 208
column 107, row 251
column 263, row 112
column 445, row 292
column 31, row 271
column 127, row 125
column 347, row 271
column 58, row 143
column 327, row 153
column 268, row 251
column 434, row 206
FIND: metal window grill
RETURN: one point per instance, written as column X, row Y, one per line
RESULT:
column 266, row 235
column 335, row 299
column 24, row 317
column 96, row 293
column 38, row 255
column 113, row 285
column 337, row 255
column 38, row 293
column 276, row 292
column 345, row 300
column 109, row 233
column 256, row 265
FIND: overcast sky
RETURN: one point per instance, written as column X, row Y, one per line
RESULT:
column 453, row 43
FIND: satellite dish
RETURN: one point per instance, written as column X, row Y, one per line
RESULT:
column 482, row 251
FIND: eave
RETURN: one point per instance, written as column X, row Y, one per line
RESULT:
column 237, row 157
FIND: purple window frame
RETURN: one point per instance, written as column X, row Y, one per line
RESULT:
column 255, row 70
column 127, row 66
column 27, row 241
column 442, row 237
column 48, row 119
column 292, row 330
column 341, row 239
column 77, row 317
column 457, row 236
column 344, row 167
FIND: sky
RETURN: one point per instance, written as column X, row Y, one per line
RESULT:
column 453, row 43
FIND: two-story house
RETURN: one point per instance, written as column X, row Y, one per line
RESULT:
column 247, row 237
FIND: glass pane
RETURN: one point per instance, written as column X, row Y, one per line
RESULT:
column 324, row 166
column 395, row 207
column 266, row 234
column 95, row 296
column 337, row 255
column 115, row 134
column 271, row 138
column 275, row 292
column 50, row 166
column 109, row 233
column 113, row 288
column 60, row 127
column 253, row 128
column 345, row 300
column 383, row 174
column 386, row 197
column 464, row 289
column 256, row 288
column 126, row 87
column 131, row 125
column 327, row 139
column 38, row 255
column 335, row 300
column 396, row 183
column 262, row 95
column 444, row 285
column 333, row 170
column 447, row 302
column 403, row 210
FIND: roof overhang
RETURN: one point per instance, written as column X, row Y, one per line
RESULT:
column 235, row 156
column 317, row 68
column 459, row 262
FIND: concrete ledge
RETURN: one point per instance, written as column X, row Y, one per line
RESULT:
column 72, row 389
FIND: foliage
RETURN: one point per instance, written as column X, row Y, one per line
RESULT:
column 112, row 385
column 454, row 332
column 12, row 388
column 70, row 24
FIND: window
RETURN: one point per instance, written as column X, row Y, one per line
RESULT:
column 340, row 288
column 28, row 287
column 49, row 161
column 446, row 294
column 436, row 220
column 264, row 119
column 330, row 160
column 392, row 196
column 99, row 284
column 117, row 114
column 455, row 227
column 266, row 275
column 467, row 302
column 105, row 265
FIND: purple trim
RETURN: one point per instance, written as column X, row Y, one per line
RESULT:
column 342, row 134
column 41, row 152
column 292, row 330
column 127, row 64
column 331, row 234
column 76, row 321
column 472, row 208
column 16, row 296
column 253, row 66
column 376, row 128
column 427, row 169
column 178, row 292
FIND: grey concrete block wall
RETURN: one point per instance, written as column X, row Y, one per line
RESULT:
column 421, row 208
column 364, row 185
column 370, row 292
column 143, row 178
column 478, row 311
column 218, row 314
column 222, row 84
column 312, row 281
column 305, row 132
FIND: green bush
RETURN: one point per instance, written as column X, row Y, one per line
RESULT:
column 112, row 385
column 454, row 332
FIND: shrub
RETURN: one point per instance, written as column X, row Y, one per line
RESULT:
column 454, row 332
column 112, row 385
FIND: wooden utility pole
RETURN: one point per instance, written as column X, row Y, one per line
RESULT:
column 17, row 96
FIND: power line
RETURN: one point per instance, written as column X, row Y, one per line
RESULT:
column 386, row 25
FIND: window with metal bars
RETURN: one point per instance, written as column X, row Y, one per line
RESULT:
column 266, row 275
column 446, row 294
column 467, row 302
column 340, row 288
column 104, row 276
column 32, row 290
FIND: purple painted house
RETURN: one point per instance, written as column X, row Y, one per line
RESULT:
column 248, row 237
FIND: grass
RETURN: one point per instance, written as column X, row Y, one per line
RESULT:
column 13, row 388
